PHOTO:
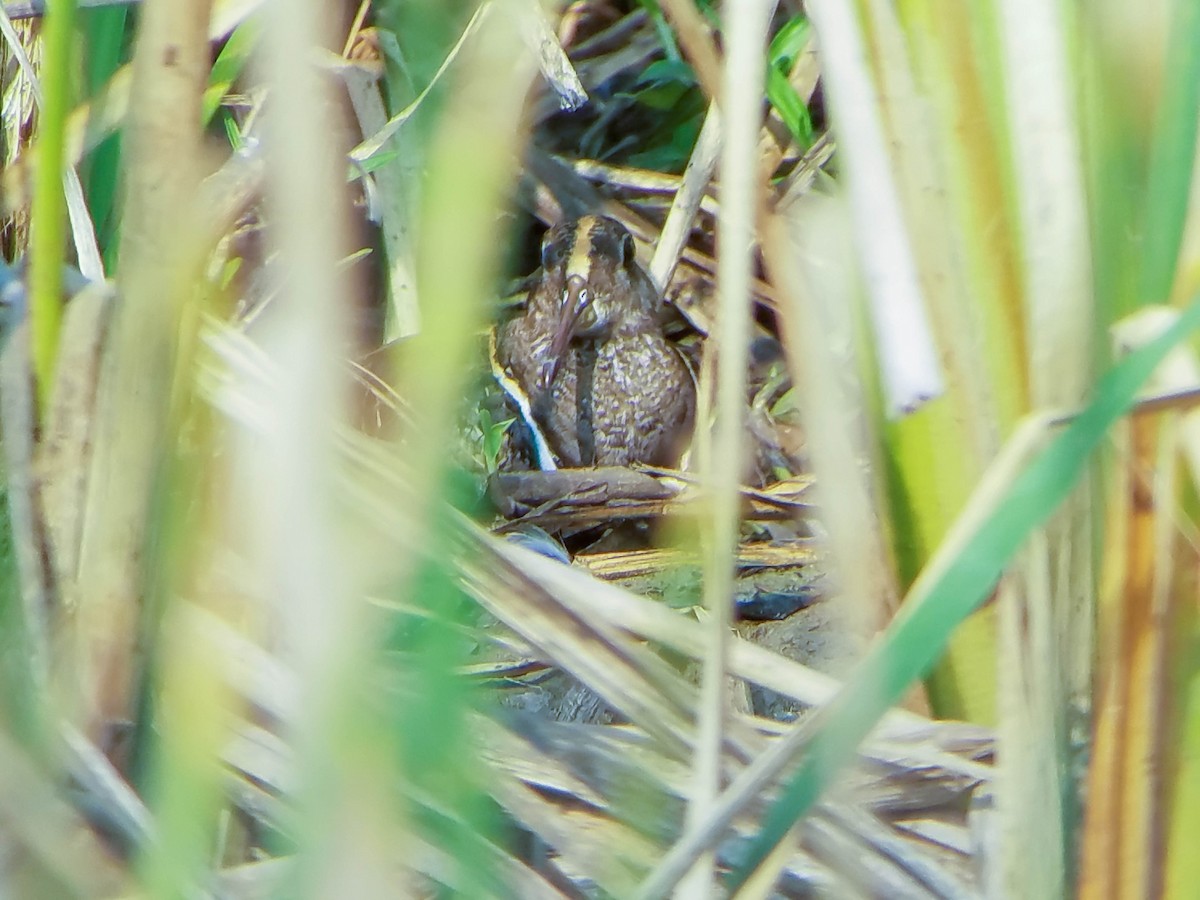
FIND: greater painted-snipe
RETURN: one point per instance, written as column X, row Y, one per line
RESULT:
column 604, row 385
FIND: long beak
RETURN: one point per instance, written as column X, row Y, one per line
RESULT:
column 576, row 299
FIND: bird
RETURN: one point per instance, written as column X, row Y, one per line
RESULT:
column 604, row 385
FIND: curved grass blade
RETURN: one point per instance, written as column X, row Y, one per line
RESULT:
column 946, row 594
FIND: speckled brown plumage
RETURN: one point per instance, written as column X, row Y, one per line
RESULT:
column 615, row 391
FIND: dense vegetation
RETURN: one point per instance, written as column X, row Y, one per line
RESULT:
column 265, row 628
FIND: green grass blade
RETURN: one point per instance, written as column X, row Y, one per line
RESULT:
column 229, row 64
column 789, row 42
column 942, row 598
column 49, row 225
column 791, row 108
column 666, row 37
column 104, row 33
column 785, row 47
column 1171, row 156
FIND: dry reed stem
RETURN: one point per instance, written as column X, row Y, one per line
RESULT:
column 686, row 202
column 742, row 88
column 1046, row 636
column 157, row 259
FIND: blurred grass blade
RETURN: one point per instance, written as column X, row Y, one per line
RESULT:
column 951, row 588
column 789, row 42
column 1045, row 633
column 228, row 65
column 1139, row 817
column 806, row 247
column 791, row 108
column 157, row 262
column 49, row 205
column 742, row 84
column 909, row 365
column 1122, row 840
column 786, row 47
column 105, row 31
column 1171, row 157
column 372, row 144
column 946, row 156
column 26, row 609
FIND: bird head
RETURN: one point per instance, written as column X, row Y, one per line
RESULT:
column 589, row 263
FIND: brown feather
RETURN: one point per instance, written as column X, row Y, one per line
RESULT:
column 621, row 393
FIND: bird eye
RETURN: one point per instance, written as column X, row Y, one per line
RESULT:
column 552, row 254
column 628, row 248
